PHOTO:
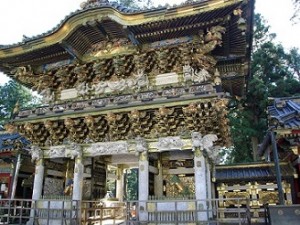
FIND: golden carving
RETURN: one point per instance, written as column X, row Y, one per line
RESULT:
column 10, row 128
column 204, row 117
column 270, row 197
column 151, row 207
column 179, row 186
column 238, row 198
column 57, row 131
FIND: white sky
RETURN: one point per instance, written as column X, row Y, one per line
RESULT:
column 33, row 17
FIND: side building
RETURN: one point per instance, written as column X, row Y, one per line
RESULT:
column 16, row 169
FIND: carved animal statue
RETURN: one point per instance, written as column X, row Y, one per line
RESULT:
column 36, row 153
column 205, row 143
column 141, row 144
column 217, row 32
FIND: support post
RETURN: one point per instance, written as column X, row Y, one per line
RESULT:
column 37, row 187
column 200, row 184
column 78, row 179
column 143, row 185
column 120, row 183
column 277, row 168
column 158, row 180
column 15, row 176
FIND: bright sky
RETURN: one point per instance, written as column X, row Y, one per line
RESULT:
column 33, row 17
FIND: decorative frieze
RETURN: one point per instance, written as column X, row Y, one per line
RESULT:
column 57, row 151
column 207, row 117
column 107, row 148
column 128, row 99
column 169, row 143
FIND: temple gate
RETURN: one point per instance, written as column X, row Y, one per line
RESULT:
column 132, row 89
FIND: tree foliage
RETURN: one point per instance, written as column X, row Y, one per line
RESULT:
column 12, row 93
column 296, row 15
column 274, row 73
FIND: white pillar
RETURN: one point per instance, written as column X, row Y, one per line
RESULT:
column 15, row 177
column 38, row 179
column 200, row 184
column 158, row 181
column 78, row 179
column 143, row 185
column 120, row 184
column 209, row 186
column 37, row 187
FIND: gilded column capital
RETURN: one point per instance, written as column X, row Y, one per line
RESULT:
column 197, row 152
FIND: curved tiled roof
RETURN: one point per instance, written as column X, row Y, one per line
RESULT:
column 94, row 5
column 285, row 113
column 250, row 172
column 9, row 142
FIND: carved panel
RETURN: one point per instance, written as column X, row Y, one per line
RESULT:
column 53, row 186
column 107, row 148
column 169, row 143
column 178, row 186
column 86, row 189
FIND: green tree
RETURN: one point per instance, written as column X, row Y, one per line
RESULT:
column 11, row 94
column 274, row 73
column 296, row 15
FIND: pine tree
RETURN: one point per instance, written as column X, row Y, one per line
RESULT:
column 12, row 94
column 274, row 73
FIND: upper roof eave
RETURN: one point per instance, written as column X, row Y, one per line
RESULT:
column 81, row 17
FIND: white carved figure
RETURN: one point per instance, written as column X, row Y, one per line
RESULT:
column 169, row 143
column 73, row 151
column 213, row 154
column 206, row 142
column 48, row 96
column 131, row 83
column 141, row 79
column 57, row 151
column 201, row 76
column 141, row 144
column 217, row 79
column 99, row 88
column 82, row 89
column 117, row 85
column 187, row 72
column 36, row 153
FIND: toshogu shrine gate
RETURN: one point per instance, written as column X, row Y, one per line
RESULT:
column 123, row 88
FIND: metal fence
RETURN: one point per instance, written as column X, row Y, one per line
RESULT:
column 179, row 212
column 41, row 212
column 187, row 211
